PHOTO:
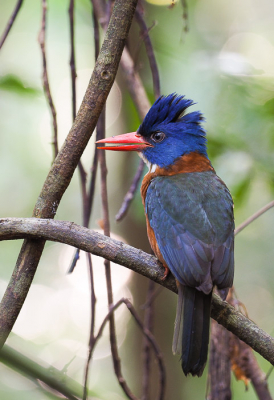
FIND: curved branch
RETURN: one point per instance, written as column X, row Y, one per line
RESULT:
column 138, row 261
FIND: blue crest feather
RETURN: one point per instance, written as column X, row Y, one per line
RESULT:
column 183, row 132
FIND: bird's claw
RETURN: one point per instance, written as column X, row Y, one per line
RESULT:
column 165, row 273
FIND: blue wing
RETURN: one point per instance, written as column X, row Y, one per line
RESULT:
column 191, row 215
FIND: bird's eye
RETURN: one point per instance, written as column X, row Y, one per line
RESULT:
column 158, row 136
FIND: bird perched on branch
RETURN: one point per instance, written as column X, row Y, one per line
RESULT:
column 189, row 214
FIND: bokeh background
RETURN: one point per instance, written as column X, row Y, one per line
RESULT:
column 225, row 63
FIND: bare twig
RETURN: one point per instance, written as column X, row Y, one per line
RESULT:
column 10, row 22
column 95, row 156
column 150, row 52
column 67, row 159
column 82, row 172
column 131, row 192
column 148, row 323
column 153, row 344
column 145, row 332
column 253, row 217
column 153, row 296
column 138, row 261
column 142, row 105
column 185, row 15
column 112, row 329
column 134, row 84
column 42, row 42
column 87, row 214
column 92, row 324
column 96, row 33
column 72, row 58
column 52, row 377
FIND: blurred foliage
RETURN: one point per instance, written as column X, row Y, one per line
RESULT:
column 225, row 63
column 14, row 84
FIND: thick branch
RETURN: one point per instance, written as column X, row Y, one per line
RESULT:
column 138, row 261
column 65, row 163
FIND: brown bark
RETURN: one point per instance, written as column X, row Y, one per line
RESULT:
column 138, row 261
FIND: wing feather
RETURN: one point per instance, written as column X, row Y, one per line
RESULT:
column 192, row 219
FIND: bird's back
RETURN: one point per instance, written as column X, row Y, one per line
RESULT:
column 191, row 215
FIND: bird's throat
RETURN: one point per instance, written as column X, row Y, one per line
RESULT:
column 192, row 162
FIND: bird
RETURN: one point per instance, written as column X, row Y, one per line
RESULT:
column 189, row 217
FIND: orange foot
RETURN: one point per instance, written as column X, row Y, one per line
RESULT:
column 165, row 273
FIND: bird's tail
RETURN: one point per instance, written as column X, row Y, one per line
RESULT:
column 191, row 334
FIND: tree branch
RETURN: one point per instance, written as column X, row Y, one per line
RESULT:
column 138, row 261
column 256, row 215
column 68, row 157
column 52, row 377
column 11, row 22
column 42, row 42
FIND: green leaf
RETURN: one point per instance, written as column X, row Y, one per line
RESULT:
column 14, row 84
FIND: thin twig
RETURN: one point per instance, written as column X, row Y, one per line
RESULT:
column 185, row 15
column 135, row 85
column 131, row 192
column 154, row 346
column 94, row 166
column 136, row 260
column 150, row 52
column 92, row 324
column 154, row 295
column 112, row 329
column 10, row 22
column 42, row 42
column 148, row 323
column 96, row 30
column 253, row 217
column 53, row 378
column 72, row 58
column 87, row 215
column 82, row 172
column 86, row 201
column 150, row 338
column 73, row 74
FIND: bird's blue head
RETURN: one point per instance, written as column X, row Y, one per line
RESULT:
column 166, row 133
column 171, row 132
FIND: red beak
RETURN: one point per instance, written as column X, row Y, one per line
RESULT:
column 137, row 143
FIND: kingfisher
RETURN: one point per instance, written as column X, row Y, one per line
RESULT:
column 189, row 217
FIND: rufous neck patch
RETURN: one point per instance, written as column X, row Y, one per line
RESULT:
column 192, row 162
